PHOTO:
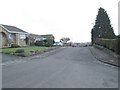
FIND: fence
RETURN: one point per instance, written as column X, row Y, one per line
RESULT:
column 112, row 44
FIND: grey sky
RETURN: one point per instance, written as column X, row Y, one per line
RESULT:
column 62, row 18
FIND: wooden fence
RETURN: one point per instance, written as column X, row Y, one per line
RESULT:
column 112, row 44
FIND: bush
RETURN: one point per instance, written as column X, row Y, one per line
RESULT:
column 32, row 44
column 14, row 46
column 112, row 44
column 39, row 43
column 49, row 42
column 118, row 50
column 20, row 51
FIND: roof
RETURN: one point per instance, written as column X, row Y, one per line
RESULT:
column 12, row 29
column 35, row 36
column 48, row 36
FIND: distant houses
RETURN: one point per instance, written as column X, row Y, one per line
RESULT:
column 10, row 35
column 58, row 44
column 41, row 40
column 34, row 37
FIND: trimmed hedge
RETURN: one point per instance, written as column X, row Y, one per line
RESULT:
column 47, row 43
column 112, row 44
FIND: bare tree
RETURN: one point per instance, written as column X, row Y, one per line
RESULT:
column 64, row 40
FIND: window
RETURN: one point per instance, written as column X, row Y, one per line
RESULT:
column 22, row 36
column 11, row 36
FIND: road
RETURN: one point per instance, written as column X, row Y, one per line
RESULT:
column 65, row 68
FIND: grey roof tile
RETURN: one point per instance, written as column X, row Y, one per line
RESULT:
column 35, row 35
column 13, row 28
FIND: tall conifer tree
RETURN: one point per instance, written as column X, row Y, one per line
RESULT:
column 102, row 27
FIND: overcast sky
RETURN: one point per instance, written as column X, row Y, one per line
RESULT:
column 62, row 18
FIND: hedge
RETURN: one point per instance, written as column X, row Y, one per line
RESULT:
column 47, row 43
column 112, row 44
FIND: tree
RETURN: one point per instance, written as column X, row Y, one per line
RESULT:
column 49, row 42
column 39, row 43
column 118, row 36
column 102, row 27
column 64, row 40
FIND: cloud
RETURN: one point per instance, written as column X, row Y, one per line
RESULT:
column 72, row 18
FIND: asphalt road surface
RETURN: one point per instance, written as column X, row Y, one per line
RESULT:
column 64, row 68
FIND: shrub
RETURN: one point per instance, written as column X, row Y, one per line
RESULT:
column 49, row 42
column 14, row 46
column 39, row 43
column 20, row 51
column 112, row 44
column 32, row 44
column 118, row 46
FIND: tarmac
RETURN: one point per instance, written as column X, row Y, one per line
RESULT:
column 105, row 57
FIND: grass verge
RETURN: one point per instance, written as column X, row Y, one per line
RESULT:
column 27, row 50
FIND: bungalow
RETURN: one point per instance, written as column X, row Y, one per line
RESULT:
column 35, row 37
column 48, row 38
column 12, row 35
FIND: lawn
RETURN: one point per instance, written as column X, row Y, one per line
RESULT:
column 27, row 50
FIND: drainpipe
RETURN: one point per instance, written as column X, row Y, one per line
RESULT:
column 17, row 38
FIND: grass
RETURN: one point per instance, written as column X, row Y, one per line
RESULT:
column 27, row 50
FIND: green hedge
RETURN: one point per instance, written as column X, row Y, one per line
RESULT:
column 112, row 44
column 47, row 43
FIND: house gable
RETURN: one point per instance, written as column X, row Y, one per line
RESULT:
column 35, row 37
column 12, row 29
column 13, row 35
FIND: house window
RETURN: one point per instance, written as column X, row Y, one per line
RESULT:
column 11, row 36
column 22, row 36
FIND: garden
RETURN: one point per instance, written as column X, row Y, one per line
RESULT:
column 25, row 51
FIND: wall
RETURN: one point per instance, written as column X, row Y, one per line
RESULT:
column 20, row 42
column 4, row 41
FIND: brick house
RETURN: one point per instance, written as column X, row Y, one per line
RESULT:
column 12, row 35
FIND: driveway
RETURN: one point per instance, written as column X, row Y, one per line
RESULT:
column 70, row 67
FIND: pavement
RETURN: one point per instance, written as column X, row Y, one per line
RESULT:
column 105, row 57
column 72, row 67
